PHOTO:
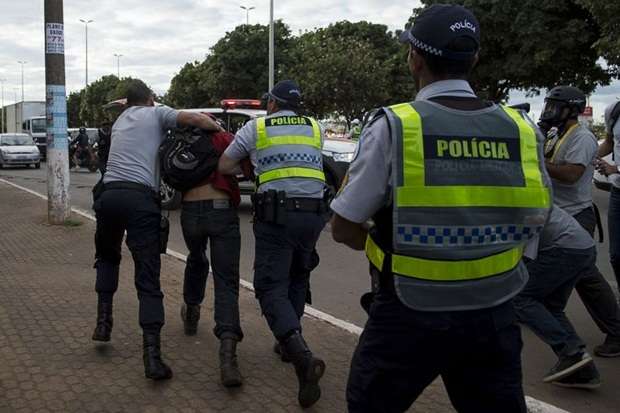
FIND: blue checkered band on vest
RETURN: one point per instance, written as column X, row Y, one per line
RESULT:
column 291, row 157
column 432, row 235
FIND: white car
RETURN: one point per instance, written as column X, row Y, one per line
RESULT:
column 18, row 149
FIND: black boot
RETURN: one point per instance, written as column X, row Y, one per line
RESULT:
column 190, row 314
column 154, row 367
column 277, row 348
column 308, row 368
column 229, row 369
column 104, row 322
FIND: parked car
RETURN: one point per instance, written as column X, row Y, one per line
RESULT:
column 18, row 149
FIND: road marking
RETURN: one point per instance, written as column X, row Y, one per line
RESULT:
column 533, row 405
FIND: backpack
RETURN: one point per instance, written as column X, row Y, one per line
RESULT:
column 187, row 158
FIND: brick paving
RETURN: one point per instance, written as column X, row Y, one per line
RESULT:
column 49, row 363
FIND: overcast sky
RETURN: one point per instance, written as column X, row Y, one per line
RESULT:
column 156, row 37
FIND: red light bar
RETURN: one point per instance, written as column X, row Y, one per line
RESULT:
column 241, row 103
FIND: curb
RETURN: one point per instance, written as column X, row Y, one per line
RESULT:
column 533, row 405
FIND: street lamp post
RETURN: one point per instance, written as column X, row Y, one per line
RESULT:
column 271, row 47
column 22, row 63
column 118, row 64
column 86, row 22
column 247, row 13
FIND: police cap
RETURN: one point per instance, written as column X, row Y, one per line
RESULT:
column 437, row 26
column 287, row 92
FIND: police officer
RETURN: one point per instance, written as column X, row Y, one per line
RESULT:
column 81, row 143
column 571, row 150
column 129, row 202
column 289, row 205
column 103, row 145
column 455, row 187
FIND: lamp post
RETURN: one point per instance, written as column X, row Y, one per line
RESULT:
column 118, row 64
column 271, row 47
column 22, row 63
column 86, row 22
column 247, row 13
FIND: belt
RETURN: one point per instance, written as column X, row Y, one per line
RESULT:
column 210, row 204
column 133, row 186
column 305, row 205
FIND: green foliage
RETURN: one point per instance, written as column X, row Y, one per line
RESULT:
column 530, row 45
column 74, row 103
column 350, row 68
column 92, row 99
column 607, row 15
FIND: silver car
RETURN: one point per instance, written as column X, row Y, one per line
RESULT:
column 18, row 149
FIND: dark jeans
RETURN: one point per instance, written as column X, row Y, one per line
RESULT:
column 613, row 225
column 402, row 351
column 138, row 213
column 542, row 302
column 285, row 256
column 592, row 287
column 201, row 224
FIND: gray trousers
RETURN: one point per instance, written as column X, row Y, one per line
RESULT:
column 594, row 290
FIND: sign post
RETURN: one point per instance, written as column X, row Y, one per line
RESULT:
column 59, row 209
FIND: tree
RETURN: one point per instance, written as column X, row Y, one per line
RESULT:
column 95, row 96
column 607, row 15
column 530, row 45
column 350, row 68
column 185, row 90
column 74, row 103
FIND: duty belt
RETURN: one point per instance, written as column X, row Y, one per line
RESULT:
column 134, row 186
column 305, row 205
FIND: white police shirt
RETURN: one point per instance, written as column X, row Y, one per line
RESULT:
column 615, row 178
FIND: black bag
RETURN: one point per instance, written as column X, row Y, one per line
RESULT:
column 187, row 158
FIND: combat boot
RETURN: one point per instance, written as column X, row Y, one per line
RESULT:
column 309, row 369
column 154, row 367
column 229, row 368
column 190, row 314
column 103, row 330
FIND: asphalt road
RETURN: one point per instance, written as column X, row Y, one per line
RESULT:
column 342, row 278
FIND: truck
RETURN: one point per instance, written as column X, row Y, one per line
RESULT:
column 28, row 117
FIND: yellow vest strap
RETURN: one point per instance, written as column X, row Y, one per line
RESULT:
column 473, row 196
column 296, row 172
column 446, row 271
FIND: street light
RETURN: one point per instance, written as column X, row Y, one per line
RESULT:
column 271, row 47
column 118, row 64
column 86, row 22
column 22, row 63
column 247, row 14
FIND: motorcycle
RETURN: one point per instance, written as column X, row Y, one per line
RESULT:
column 86, row 158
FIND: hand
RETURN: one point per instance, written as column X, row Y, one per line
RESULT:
column 604, row 167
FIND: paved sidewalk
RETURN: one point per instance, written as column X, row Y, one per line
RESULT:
column 49, row 363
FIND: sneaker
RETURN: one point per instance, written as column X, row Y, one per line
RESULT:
column 567, row 365
column 610, row 348
column 585, row 378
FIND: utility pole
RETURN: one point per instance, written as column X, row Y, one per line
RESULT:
column 247, row 14
column 22, row 63
column 58, row 204
column 118, row 64
column 271, row 47
column 86, row 22
column 3, row 128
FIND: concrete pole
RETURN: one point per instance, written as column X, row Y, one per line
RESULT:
column 59, row 208
column 2, row 116
column 86, row 23
column 271, row 47
column 22, row 64
column 118, row 65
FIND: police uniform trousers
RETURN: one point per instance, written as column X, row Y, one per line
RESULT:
column 402, row 351
column 202, row 223
column 284, row 257
column 138, row 213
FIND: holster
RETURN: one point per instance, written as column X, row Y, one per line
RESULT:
column 270, row 207
column 98, row 190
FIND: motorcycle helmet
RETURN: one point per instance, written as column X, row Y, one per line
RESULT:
column 82, row 130
column 557, row 100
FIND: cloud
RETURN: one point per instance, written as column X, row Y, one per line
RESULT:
column 156, row 38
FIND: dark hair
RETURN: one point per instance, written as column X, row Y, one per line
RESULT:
column 453, row 69
column 286, row 106
column 138, row 93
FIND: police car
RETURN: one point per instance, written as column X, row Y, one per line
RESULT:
column 235, row 113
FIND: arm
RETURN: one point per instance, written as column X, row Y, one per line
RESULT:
column 227, row 165
column 607, row 146
column 197, row 120
column 349, row 233
column 568, row 174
